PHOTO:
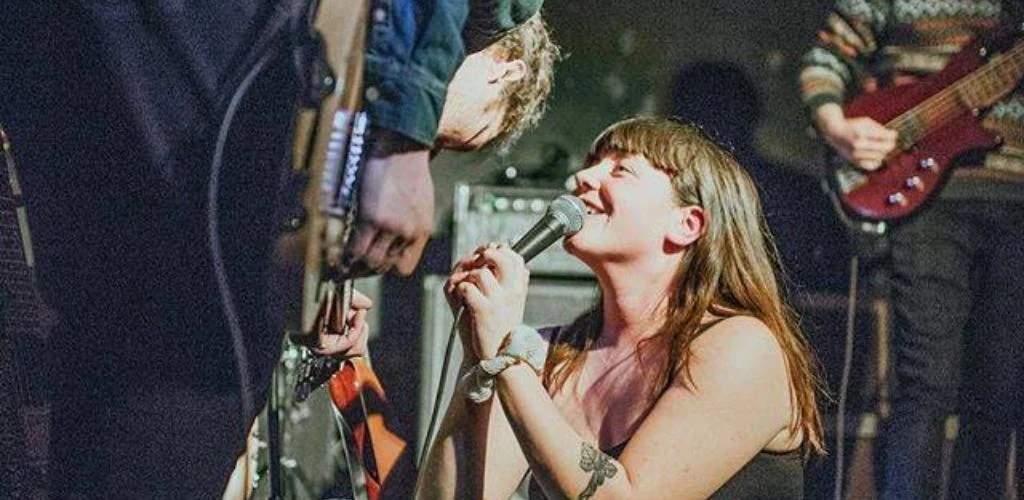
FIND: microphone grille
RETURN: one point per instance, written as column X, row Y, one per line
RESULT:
column 570, row 210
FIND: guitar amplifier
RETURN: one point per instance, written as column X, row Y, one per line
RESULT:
column 483, row 214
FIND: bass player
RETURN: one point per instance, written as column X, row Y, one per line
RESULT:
column 956, row 263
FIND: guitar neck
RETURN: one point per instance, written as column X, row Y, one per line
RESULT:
column 977, row 90
column 16, row 259
column 21, row 312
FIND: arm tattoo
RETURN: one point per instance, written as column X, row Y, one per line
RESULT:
column 592, row 460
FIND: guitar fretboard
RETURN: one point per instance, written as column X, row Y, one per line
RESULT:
column 977, row 90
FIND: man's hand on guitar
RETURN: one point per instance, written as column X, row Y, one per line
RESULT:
column 354, row 341
column 396, row 209
column 862, row 140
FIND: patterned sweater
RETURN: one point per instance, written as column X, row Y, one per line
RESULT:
column 870, row 43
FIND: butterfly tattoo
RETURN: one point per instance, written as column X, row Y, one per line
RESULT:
column 593, row 460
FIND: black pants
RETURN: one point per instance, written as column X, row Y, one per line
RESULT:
column 958, row 296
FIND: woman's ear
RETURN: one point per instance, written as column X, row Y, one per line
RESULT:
column 686, row 226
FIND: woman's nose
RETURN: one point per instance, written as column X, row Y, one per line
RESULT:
column 586, row 180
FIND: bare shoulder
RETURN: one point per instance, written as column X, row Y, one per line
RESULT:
column 737, row 332
column 739, row 344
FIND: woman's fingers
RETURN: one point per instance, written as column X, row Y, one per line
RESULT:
column 485, row 281
column 471, row 295
column 507, row 264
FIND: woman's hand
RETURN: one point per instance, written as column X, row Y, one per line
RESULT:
column 492, row 284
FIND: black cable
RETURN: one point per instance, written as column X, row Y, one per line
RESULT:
column 440, row 389
column 844, row 381
column 213, row 232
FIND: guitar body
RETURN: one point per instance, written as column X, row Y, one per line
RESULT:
column 360, row 400
column 930, row 141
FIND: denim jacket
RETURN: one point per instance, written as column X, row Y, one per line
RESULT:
column 414, row 49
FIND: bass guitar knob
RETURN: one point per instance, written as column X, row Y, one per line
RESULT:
column 897, row 199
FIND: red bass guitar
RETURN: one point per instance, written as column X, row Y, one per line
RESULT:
column 936, row 119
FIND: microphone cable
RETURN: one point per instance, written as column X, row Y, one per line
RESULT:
column 439, row 395
column 851, row 314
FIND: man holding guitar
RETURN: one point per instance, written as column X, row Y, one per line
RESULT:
column 922, row 100
column 153, row 138
column 498, row 91
column 404, row 94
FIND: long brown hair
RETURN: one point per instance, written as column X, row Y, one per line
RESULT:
column 730, row 270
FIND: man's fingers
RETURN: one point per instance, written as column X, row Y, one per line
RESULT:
column 377, row 257
column 410, row 256
column 868, row 163
column 358, row 245
column 333, row 345
column 356, row 317
column 878, row 133
column 361, row 301
column 357, row 320
column 367, row 251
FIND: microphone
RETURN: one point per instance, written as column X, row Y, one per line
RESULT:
column 564, row 217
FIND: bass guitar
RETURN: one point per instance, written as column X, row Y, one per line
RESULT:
column 936, row 119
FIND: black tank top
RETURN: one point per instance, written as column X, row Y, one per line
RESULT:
column 769, row 475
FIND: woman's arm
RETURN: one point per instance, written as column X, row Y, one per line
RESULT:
column 695, row 438
column 475, row 454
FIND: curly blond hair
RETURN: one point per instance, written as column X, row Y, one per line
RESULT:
column 526, row 99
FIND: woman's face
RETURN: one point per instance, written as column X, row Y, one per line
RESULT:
column 630, row 205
